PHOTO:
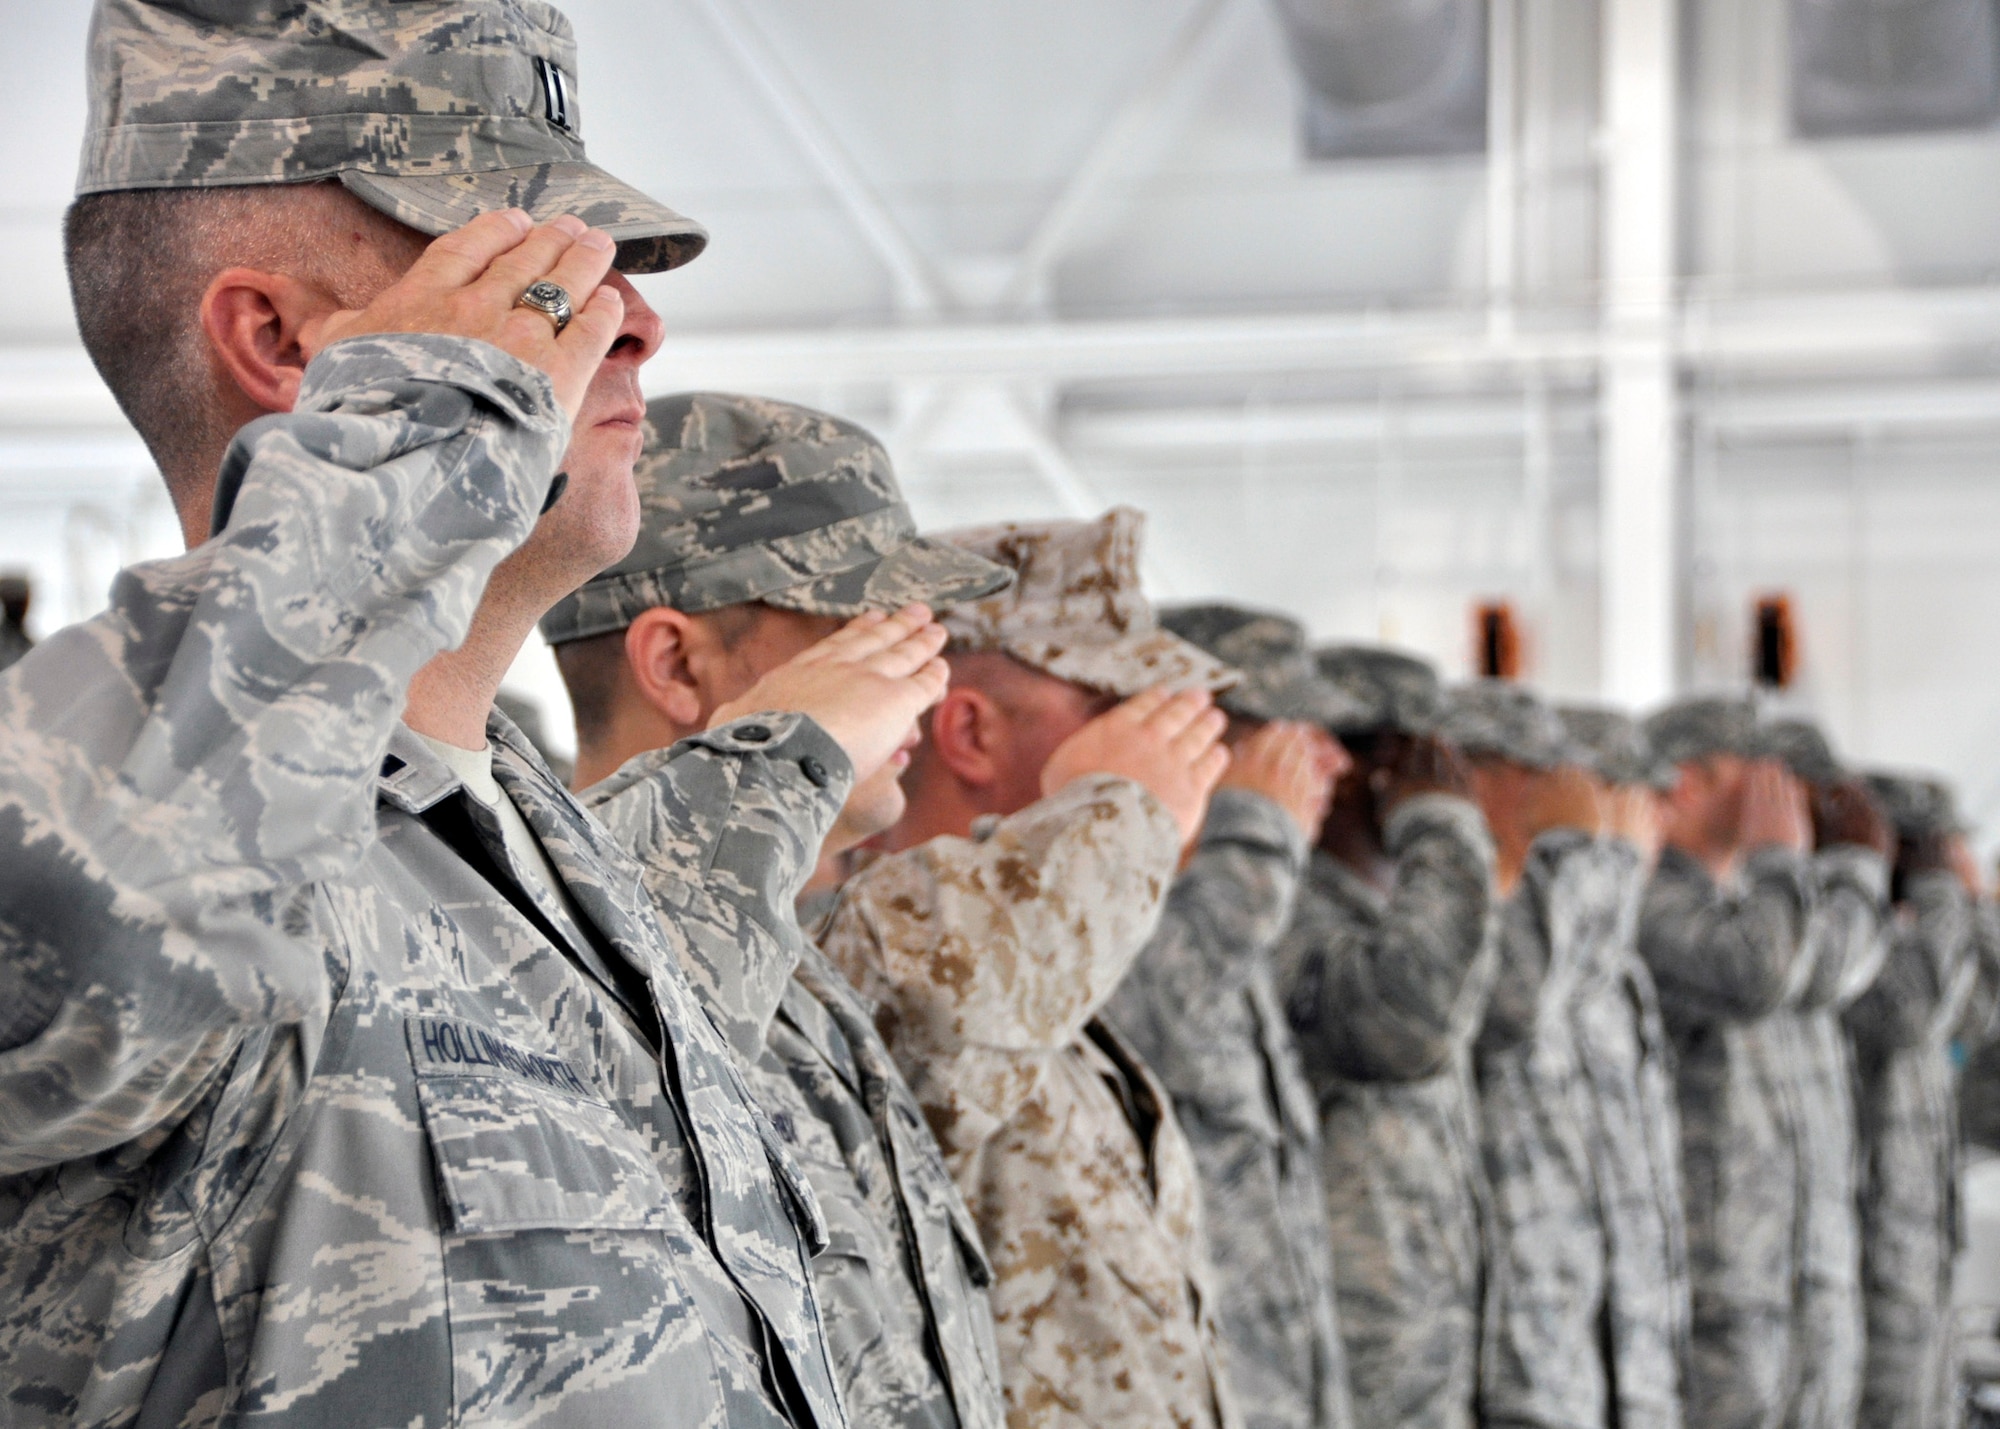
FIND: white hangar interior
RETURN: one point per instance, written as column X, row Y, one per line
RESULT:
column 1621, row 313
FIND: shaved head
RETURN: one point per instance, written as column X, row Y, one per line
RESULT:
column 140, row 261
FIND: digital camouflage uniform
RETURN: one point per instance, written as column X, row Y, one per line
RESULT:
column 1848, row 944
column 1725, row 960
column 308, row 1119
column 1634, row 1123
column 1543, row 1352
column 1902, row 1028
column 1201, row 1007
column 991, row 957
column 1384, row 989
column 316, row 1108
column 902, row 1283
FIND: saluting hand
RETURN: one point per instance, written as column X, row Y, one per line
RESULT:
column 866, row 684
column 1171, row 743
column 1294, row 766
column 469, row 282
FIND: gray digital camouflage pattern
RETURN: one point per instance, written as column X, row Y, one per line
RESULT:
column 1634, row 1135
column 1078, row 610
column 1848, row 943
column 1384, row 990
column 433, row 114
column 1725, row 960
column 1386, row 688
column 1201, row 1007
column 902, row 1282
column 1542, row 1358
column 1496, row 719
column 306, row 1121
column 749, row 499
column 990, row 958
column 1278, row 678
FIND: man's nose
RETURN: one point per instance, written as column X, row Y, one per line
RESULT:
column 642, row 332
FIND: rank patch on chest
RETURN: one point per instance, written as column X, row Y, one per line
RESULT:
column 452, row 1047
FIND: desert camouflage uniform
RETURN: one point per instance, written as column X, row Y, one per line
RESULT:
column 1384, row 992
column 1200, row 1006
column 1725, row 961
column 1902, row 1028
column 990, row 958
column 902, row 1282
column 1542, row 1357
column 314, row 1109
column 1634, row 1136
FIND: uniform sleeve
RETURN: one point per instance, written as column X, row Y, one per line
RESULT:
column 1848, row 929
column 1389, row 996
column 979, row 951
column 1719, row 955
column 1223, row 914
column 1543, row 925
column 1982, row 1006
column 178, row 774
column 1902, row 1009
column 727, row 826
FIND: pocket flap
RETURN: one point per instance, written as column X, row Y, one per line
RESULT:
column 521, row 1142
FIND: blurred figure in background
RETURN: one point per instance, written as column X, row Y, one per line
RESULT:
column 1723, row 929
column 1850, row 870
column 1385, row 972
column 1201, row 1007
column 1929, row 989
column 16, row 595
column 1628, row 1081
column 1543, row 1354
column 1048, row 810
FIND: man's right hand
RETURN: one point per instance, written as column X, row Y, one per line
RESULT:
column 469, row 284
column 865, row 684
column 1420, row 764
column 1847, row 813
column 1774, row 812
column 1171, row 743
column 1294, row 766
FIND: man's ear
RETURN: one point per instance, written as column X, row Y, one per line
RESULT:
column 253, row 321
column 656, row 656
column 966, row 734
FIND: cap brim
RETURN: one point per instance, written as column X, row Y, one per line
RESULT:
column 651, row 237
column 1308, row 699
column 1129, row 665
column 937, row 573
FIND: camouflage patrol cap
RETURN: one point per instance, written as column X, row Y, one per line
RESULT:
column 1279, row 678
column 1697, row 728
column 749, row 499
column 1804, row 749
column 1615, row 746
column 433, row 111
column 1917, row 806
column 1388, row 689
column 1076, row 609
column 1493, row 719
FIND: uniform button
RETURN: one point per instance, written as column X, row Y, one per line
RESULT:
column 815, row 771
column 753, row 733
column 519, row 395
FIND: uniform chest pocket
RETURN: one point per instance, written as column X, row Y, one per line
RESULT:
column 521, row 1142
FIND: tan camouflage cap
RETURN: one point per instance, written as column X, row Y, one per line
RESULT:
column 1493, row 719
column 432, row 112
column 747, row 498
column 1279, row 678
column 1076, row 610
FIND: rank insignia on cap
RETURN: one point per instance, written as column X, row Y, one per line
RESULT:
column 555, row 92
